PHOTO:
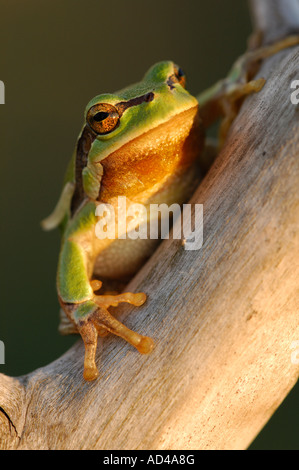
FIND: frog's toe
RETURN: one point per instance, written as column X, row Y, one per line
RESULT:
column 89, row 336
column 146, row 345
column 106, row 301
column 103, row 320
column 90, row 373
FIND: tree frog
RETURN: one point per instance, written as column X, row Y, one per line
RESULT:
column 142, row 143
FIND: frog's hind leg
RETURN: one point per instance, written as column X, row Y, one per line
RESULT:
column 224, row 99
column 231, row 103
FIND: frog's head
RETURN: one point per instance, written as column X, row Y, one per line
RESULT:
column 141, row 135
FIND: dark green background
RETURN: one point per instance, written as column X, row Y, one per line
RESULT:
column 55, row 56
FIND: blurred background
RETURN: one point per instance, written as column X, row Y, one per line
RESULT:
column 55, row 56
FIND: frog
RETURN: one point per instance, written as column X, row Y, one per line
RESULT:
column 142, row 143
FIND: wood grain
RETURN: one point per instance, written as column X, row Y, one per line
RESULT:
column 223, row 318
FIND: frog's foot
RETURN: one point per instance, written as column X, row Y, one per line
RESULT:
column 224, row 99
column 240, row 83
column 231, row 101
column 93, row 319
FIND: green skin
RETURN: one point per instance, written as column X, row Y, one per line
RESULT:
column 75, row 267
column 73, row 275
column 72, row 280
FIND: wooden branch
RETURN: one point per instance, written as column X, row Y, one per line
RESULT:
column 223, row 318
column 275, row 19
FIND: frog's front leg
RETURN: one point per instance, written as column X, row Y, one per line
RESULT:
column 93, row 319
column 89, row 312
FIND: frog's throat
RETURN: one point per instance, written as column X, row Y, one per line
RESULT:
column 166, row 150
column 152, row 153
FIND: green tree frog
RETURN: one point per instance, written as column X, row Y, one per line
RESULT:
column 142, row 143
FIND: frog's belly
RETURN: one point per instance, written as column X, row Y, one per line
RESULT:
column 123, row 258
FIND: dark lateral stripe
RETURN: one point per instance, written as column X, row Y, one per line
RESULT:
column 83, row 146
column 122, row 106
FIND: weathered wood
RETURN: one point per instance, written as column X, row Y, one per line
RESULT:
column 275, row 19
column 223, row 318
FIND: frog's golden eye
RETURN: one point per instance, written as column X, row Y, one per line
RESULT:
column 180, row 76
column 103, row 118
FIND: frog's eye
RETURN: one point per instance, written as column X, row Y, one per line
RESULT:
column 103, row 118
column 180, row 76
